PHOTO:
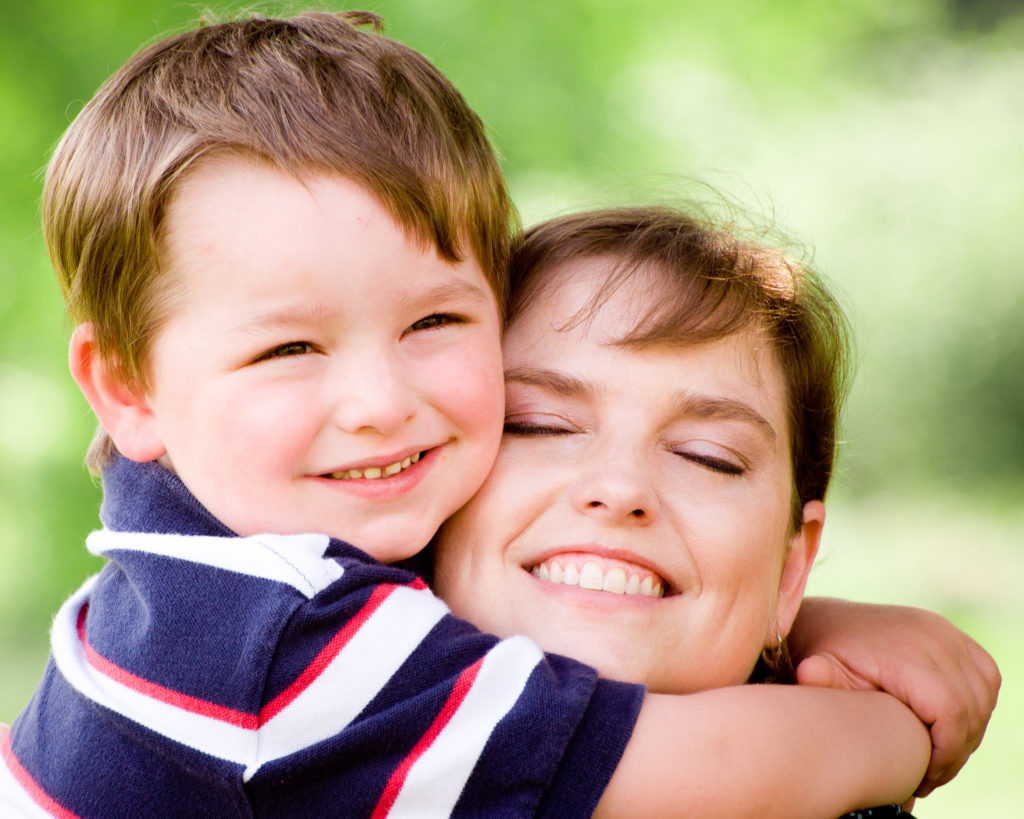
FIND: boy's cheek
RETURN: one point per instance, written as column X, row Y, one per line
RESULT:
column 476, row 387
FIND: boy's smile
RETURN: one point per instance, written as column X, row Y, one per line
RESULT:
column 319, row 370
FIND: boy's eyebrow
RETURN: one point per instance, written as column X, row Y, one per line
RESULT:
column 286, row 316
column 447, row 291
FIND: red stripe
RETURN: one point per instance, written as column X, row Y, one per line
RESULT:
column 326, row 655
column 394, row 786
column 159, row 692
column 30, row 786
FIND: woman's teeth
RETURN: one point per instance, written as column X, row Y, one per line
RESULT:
column 373, row 473
column 591, row 576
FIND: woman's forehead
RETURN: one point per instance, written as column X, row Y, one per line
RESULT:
column 638, row 304
column 595, row 288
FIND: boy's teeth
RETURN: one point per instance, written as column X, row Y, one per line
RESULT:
column 590, row 576
column 372, row 473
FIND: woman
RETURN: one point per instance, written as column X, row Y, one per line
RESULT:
column 672, row 399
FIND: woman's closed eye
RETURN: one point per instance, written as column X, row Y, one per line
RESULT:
column 715, row 463
column 539, row 424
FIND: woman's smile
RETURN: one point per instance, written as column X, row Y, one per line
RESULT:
column 638, row 515
column 589, row 571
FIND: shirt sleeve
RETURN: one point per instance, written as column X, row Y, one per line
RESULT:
column 382, row 701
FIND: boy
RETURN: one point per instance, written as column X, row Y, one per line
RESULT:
column 283, row 243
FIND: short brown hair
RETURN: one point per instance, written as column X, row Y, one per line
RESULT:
column 720, row 283
column 315, row 92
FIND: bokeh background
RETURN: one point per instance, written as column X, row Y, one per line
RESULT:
column 888, row 137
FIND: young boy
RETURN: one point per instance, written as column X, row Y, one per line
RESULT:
column 283, row 245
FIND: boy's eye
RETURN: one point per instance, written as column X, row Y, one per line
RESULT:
column 434, row 321
column 292, row 348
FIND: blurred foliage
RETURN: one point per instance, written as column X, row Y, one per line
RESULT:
column 887, row 136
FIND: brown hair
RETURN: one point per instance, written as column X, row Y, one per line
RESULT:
column 311, row 93
column 718, row 284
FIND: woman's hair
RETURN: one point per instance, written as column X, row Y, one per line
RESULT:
column 708, row 282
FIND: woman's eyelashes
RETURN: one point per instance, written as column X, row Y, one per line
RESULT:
column 543, row 424
column 714, row 463
column 537, row 425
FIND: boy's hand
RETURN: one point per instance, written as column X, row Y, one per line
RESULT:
column 917, row 656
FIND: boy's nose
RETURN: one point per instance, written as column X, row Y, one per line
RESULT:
column 374, row 395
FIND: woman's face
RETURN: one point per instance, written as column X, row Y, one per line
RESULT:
column 637, row 516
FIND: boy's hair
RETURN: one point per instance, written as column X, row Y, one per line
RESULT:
column 707, row 282
column 312, row 93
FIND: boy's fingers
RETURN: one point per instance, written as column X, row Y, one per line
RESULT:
column 950, row 750
column 960, row 724
column 987, row 686
column 817, row 671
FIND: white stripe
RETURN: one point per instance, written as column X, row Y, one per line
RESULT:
column 297, row 560
column 438, row 777
column 206, row 734
column 355, row 677
column 14, row 801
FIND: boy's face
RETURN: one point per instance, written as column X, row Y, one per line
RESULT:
column 319, row 371
column 637, row 517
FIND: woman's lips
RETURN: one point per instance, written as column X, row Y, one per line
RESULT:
column 596, row 573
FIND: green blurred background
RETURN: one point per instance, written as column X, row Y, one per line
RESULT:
column 889, row 137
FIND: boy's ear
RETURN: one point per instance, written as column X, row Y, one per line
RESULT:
column 803, row 548
column 122, row 411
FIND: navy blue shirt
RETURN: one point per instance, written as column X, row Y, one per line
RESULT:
column 204, row 674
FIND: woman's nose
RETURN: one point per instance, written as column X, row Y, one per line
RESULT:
column 374, row 394
column 616, row 491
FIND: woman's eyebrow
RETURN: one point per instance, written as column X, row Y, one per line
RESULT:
column 551, row 381
column 696, row 405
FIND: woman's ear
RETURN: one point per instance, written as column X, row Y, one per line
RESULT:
column 803, row 548
column 123, row 411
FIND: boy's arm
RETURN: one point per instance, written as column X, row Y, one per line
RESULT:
column 919, row 657
column 773, row 750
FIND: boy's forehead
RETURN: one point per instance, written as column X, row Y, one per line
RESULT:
column 252, row 185
column 234, row 214
column 231, row 195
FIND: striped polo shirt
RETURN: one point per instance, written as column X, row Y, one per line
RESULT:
column 205, row 674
